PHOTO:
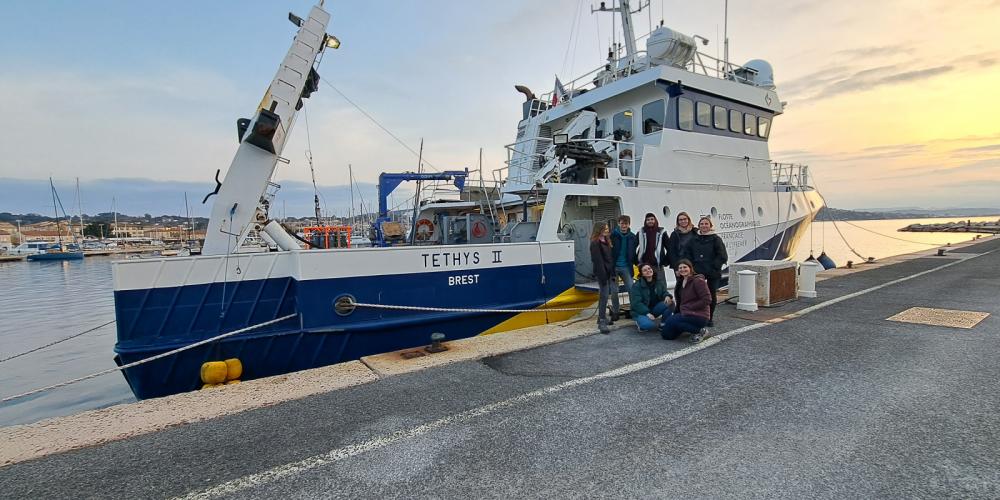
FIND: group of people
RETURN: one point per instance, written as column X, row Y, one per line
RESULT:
column 694, row 254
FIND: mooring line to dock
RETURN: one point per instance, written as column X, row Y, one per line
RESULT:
column 277, row 473
column 464, row 309
column 50, row 344
column 151, row 358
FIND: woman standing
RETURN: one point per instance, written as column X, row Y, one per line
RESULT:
column 695, row 300
column 708, row 253
column 678, row 242
column 604, row 270
column 649, row 299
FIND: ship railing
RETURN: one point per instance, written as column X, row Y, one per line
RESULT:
column 790, row 176
column 528, row 164
column 602, row 75
column 700, row 63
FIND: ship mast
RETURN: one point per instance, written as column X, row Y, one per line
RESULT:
column 628, row 29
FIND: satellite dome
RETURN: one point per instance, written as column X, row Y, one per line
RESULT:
column 762, row 73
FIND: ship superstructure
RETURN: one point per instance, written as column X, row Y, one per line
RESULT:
column 652, row 131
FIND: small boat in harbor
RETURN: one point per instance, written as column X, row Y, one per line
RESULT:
column 658, row 131
column 58, row 250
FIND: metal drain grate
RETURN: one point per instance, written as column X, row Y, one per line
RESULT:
column 940, row 317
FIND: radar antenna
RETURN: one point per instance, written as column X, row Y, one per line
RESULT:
column 628, row 31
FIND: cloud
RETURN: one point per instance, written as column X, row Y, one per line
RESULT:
column 977, row 150
column 877, row 77
column 884, row 50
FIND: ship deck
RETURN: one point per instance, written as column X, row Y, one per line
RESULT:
column 820, row 397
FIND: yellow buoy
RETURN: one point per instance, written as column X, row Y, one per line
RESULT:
column 234, row 369
column 231, row 382
column 214, row 372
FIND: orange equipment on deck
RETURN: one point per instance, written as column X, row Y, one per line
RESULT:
column 328, row 236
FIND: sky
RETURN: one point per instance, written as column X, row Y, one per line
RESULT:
column 891, row 103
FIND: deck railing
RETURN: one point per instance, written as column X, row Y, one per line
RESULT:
column 790, row 175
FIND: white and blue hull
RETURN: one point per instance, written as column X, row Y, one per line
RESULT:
column 164, row 304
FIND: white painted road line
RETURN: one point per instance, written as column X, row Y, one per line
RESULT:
column 291, row 469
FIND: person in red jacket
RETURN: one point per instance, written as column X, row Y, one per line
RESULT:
column 695, row 306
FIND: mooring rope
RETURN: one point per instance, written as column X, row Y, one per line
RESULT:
column 462, row 309
column 152, row 358
column 50, row 344
column 891, row 237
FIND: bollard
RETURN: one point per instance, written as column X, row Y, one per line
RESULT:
column 807, row 279
column 748, row 291
column 940, row 252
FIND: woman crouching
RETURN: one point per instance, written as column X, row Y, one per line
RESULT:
column 695, row 306
column 649, row 299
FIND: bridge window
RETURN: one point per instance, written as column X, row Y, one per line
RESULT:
column 763, row 127
column 652, row 117
column 735, row 120
column 750, row 124
column 720, row 117
column 621, row 124
column 704, row 114
column 685, row 114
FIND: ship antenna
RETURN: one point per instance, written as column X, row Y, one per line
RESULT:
column 725, row 38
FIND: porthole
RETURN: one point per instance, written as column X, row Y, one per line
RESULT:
column 812, row 204
column 344, row 305
column 743, row 212
column 794, row 208
column 760, row 211
column 715, row 213
column 666, row 211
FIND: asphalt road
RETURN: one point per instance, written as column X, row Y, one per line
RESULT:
column 837, row 403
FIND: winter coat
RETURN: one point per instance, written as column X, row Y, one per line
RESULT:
column 678, row 244
column 662, row 242
column 643, row 294
column 696, row 298
column 604, row 262
column 627, row 241
column 708, row 254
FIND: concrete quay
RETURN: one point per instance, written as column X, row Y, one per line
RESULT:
column 820, row 397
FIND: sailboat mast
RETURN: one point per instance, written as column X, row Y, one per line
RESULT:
column 79, row 207
column 55, row 210
column 350, row 180
column 187, row 210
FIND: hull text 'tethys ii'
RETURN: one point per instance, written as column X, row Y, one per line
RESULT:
column 662, row 130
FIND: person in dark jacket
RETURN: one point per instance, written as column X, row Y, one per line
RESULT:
column 604, row 269
column 695, row 302
column 649, row 299
column 708, row 253
column 653, row 243
column 678, row 241
column 623, row 246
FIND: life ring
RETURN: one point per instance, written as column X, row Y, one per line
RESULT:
column 424, row 229
column 478, row 229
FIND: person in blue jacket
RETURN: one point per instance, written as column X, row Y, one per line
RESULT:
column 623, row 247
